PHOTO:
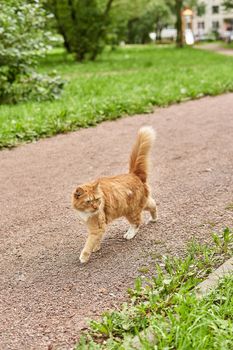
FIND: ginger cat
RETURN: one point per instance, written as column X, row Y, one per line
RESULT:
column 108, row 198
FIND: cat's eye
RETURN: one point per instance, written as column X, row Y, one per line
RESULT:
column 88, row 201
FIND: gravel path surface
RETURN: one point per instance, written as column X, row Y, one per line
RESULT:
column 45, row 293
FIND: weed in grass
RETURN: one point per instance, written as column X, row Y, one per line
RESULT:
column 229, row 207
column 144, row 269
column 211, row 224
column 168, row 306
column 155, row 256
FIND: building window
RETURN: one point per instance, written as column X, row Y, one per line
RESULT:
column 215, row 9
column 215, row 25
column 201, row 25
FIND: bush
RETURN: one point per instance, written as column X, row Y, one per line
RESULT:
column 23, row 39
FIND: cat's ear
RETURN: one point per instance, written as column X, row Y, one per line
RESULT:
column 96, row 188
column 79, row 191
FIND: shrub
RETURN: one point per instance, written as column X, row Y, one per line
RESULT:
column 23, row 39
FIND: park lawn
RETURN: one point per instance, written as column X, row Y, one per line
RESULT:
column 166, row 307
column 228, row 45
column 122, row 82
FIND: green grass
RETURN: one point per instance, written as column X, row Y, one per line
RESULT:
column 126, row 81
column 166, row 306
column 228, row 45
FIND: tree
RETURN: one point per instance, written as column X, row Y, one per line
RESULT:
column 160, row 14
column 201, row 9
column 228, row 4
column 83, row 25
column 176, row 7
column 23, row 39
column 136, row 19
column 124, row 14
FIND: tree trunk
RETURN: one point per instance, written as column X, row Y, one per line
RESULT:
column 179, row 38
column 80, row 56
column 102, row 29
column 158, row 30
column 66, row 42
column 108, row 7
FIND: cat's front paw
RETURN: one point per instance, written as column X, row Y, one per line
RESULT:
column 84, row 257
column 96, row 248
column 151, row 221
column 132, row 231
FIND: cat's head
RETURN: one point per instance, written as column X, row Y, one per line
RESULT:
column 87, row 198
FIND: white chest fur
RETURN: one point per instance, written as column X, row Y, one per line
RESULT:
column 84, row 216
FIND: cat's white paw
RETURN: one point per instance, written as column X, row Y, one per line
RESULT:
column 97, row 248
column 84, row 257
column 151, row 221
column 131, row 233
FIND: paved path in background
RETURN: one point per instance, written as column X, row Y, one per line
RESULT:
column 216, row 48
column 45, row 293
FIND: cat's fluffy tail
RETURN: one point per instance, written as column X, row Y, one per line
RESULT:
column 139, row 159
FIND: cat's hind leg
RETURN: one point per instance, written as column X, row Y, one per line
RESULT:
column 135, row 221
column 152, row 208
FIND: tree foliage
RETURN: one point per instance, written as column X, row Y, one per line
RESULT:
column 83, row 25
column 201, row 9
column 228, row 4
column 154, row 18
column 135, row 20
column 23, row 39
column 144, row 16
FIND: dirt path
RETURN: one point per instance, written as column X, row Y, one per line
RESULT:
column 216, row 48
column 45, row 293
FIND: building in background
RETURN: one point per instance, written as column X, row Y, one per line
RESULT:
column 212, row 19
